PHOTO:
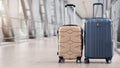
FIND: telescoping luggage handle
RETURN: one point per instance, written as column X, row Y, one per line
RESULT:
column 68, row 5
column 94, row 8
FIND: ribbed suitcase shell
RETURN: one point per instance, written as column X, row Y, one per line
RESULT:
column 98, row 39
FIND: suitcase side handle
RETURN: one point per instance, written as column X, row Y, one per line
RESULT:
column 95, row 4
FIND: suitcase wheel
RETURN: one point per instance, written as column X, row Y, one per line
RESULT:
column 61, row 60
column 86, row 60
column 78, row 60
column 108, row 60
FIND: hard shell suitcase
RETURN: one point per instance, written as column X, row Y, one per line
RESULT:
column 98, row 38
column 70, row 42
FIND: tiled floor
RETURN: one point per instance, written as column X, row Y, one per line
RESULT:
column 42, row 54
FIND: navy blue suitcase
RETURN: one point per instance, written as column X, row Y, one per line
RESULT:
column 98, row 38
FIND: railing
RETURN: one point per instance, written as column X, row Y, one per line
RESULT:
column 21, row 29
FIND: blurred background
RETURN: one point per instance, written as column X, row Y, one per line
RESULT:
column 21, row 20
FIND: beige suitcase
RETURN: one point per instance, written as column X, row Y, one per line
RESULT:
column 70, row 43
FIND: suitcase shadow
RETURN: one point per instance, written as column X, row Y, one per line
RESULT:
column 98, row 63
column 72, row 62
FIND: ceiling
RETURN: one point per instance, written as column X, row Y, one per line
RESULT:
column 84, row 7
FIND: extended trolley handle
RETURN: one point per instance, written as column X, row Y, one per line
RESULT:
column 94, row 8
column 72, row 5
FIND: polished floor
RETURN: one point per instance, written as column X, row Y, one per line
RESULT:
column 42, row 53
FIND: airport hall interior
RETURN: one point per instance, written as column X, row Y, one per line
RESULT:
column 59, row 33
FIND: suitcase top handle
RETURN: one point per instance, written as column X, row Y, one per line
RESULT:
column 70, row 5
column 101, row 4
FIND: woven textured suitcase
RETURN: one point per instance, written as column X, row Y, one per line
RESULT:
column 98, row 38
column 70, row 42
